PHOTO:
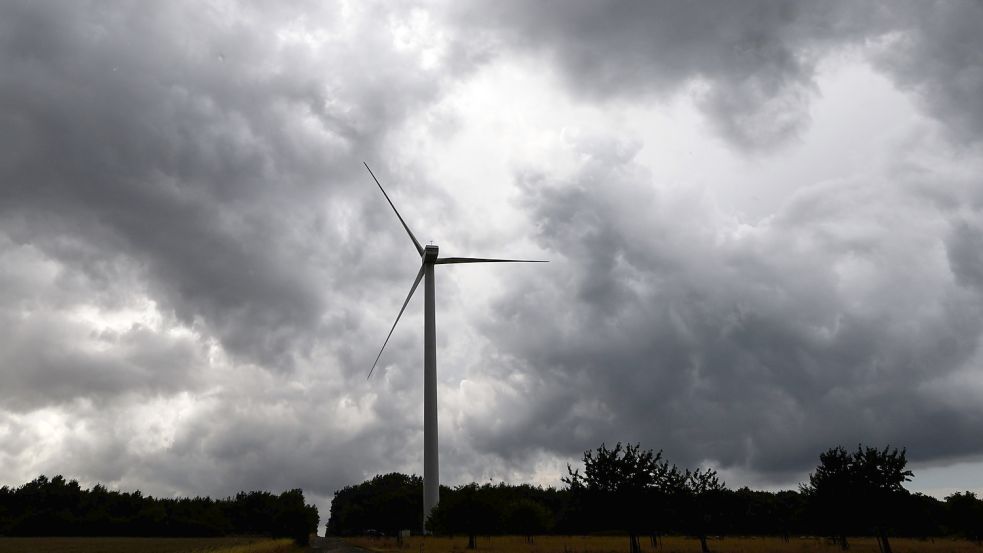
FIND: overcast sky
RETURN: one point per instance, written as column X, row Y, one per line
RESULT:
column 764, row 222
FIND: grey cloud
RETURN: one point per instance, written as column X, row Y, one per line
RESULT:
column 207, row 159
column 194, row 159
column 965, row 251
column 752, row 62
column 51, row 352
column 751, row 65
column 936, row 53
column 49, row 361
column 754, row 348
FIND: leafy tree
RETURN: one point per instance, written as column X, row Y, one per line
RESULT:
column 619, row 485
column 48, row 507
column 388, row 503
column 704, row 494
column 965, row 514
column 787, row 513
column 919, row 516
column 294, row 519
column 830, row 492
column 866, row 486
column 619, row 489
column 250, row 510
column 529, row 518
column 879, row 477
column 466, row 510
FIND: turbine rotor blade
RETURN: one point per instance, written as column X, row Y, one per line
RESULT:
column 453, row 260
column 416, row 243
column 419, row 276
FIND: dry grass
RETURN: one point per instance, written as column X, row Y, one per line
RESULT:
column 145, row 545
column 674, row 544
column 265, row 546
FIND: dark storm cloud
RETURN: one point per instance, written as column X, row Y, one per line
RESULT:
column 49, row 360
column 751, row 64
column 198, row 157
column 846, row 316
column 937, row 53
column 123, row 140
column 963, row 247
column 51, row 353
column 201, row 161
column 751, row 346
column 210, row 160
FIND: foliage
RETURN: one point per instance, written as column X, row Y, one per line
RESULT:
column 860, row 492
column 621, row 487
column 56, row 507
column 475, row 510
column 703, row 501
column 467, row 511
column 830, row 492
column 146, row 545
column 634, row 491
column 387, row 503
column 965, row 515
column 528, row 518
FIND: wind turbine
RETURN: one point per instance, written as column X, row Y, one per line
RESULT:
column 428, row 255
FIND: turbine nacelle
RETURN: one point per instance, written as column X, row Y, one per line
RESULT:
column 430, row 253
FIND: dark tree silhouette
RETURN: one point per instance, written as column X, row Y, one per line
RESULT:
column 866, row 487
column 965, row 514
column 467, row 509
column 387, row 503
column 618, row 486
column 628, row 489
column 704, row 499
column 830, row 491
column 529, row 518
column 879, row 477
column 57, row 507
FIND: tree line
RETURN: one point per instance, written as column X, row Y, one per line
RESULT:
column 634, row 491
column 57, row 507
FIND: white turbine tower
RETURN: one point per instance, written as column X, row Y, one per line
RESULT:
column 431, row 479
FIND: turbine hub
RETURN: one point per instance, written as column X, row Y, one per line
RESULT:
column 430, row 253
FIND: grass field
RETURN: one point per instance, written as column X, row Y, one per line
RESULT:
column 146, row 545
column 675, row 544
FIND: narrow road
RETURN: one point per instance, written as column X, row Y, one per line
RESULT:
column 334, row 545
